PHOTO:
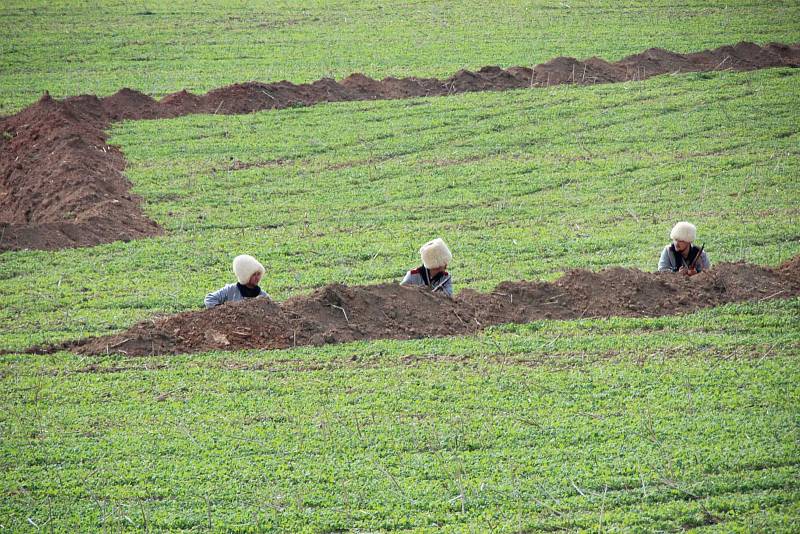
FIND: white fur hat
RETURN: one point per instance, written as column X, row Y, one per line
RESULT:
column 435, row 254
column 245, row 266
column 683, row 231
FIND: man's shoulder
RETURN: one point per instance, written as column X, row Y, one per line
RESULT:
column 229, row 288
column 413, row 277
column 225, row 288
column 418, row 270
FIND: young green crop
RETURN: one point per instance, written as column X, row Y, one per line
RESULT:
column 71, row 48
column 522, row 185
column 622, row 424
column 619, row 424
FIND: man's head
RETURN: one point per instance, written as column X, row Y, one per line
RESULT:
column 248, row 270
column 435, row 254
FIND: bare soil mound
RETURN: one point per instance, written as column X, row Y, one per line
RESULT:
column 338, row 313
column 61, row 185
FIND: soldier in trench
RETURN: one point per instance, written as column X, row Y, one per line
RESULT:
column 681, row 256
column 248, row 271
column 433, row 271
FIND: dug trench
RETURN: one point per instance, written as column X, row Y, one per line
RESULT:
column 337, row 313
column 62, row 185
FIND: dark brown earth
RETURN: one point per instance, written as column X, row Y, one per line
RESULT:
column 338, row 313
column 60, row 183
column 62, row 186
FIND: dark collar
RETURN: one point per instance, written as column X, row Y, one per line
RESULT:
column 248, row 292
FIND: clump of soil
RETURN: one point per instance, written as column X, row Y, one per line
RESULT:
column 337, row 313
column 61, row 185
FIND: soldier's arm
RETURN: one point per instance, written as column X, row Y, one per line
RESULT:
column 215, row 298
column 407, row 279
column 663, row 262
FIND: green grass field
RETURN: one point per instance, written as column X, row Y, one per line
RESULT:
column 522, row 185
column 655, row 424
column 663, row 424
column 70, row 47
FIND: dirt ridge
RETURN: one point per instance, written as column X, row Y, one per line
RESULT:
column 62, row 186
column 337, row 313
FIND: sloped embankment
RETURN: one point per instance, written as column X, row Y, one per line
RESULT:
column 337, row 313
column 61, row 185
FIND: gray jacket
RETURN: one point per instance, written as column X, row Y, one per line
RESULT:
column 419, row 277
column 669, row 260
column 229, row 293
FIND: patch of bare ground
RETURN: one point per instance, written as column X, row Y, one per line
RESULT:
column 337, row 313
column 61, row 185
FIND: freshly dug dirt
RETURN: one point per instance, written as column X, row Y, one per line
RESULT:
column 62, row 186
column 60, row 183
column 338, row 313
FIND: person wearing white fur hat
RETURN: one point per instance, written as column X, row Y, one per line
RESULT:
column 433, row 272
column 248, row 271
column 679, row 256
